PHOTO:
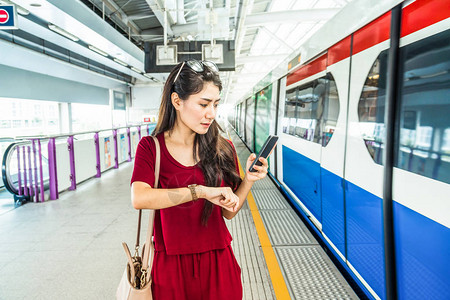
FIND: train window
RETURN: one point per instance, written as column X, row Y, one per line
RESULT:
column 289, row 112
column 371, row 108
column 330, row 111
column 424, row 123
column 311, row 110
column 250, row 122
column 307, row 106
column 263, row 120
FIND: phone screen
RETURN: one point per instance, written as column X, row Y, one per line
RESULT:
column 265, row 151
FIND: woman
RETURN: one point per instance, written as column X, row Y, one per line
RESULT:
column 199, row 185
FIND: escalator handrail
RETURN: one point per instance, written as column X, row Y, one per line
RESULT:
column 6, row 158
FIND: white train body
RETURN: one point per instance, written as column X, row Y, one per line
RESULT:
column 329, row 114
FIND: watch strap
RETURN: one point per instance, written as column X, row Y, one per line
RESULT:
column 193, row 191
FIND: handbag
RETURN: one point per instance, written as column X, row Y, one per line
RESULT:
column 136, row 279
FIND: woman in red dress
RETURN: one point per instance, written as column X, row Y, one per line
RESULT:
column 199, row 185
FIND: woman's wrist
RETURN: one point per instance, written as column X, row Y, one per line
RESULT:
column 246, row 181
column 200, row 190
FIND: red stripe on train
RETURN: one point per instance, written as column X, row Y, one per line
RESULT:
column 339, row 51
column 421, row 14
column 372, row 34
column 416, row 16
column 314, row 67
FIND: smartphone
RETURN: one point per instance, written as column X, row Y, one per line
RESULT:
column 266, row 149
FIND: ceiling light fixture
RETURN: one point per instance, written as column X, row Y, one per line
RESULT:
column 152, row 78
column 95, row 49
column 22, row 10
column 136, row 70
column 120, row 62
column 63, row 32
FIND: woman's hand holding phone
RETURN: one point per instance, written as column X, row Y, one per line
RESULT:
column 261, row 171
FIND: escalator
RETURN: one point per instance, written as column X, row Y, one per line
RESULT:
column 25, row 171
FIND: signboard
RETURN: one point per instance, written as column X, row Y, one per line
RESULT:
column 119, row 101
column 8, row 17
column 107, row 153
column 123, row 148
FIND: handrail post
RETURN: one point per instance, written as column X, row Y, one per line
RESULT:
column 52, row 169
column 19, row 171
column 30, row 174
column 97, row 155
column 41, row 171
column 73, row 179
column 139, row 132
column 25, row 181
column 36, row 179
column 129, row 143
column 148, row 129
column 116, row 150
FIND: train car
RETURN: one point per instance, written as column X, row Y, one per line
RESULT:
column 329, row 111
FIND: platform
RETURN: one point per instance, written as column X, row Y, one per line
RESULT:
column 70, row 248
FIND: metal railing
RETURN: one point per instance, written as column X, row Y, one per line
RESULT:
column 30, row 170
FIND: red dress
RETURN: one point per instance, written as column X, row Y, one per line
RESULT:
column 191, row 261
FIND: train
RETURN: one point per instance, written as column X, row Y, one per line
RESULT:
column 362, row 111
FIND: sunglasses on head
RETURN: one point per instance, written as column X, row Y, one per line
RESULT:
column 197, row 66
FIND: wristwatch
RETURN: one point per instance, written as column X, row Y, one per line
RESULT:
column 193, row 192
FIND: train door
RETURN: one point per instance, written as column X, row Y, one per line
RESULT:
column 363, row 169
column 421, row 174
column 250, row 123
column 280, row 125
column 300, row 138
column 333, row 131
column 264, row 119
column 242, row 119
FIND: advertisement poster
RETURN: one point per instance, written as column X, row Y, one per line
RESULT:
column 134, row 142
column 123, row 148
column 107, row 153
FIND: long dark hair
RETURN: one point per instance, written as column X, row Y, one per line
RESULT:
column 215, row 152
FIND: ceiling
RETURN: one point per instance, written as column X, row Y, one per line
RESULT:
column 266, row 32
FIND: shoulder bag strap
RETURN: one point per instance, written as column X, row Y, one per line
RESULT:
column 148, row 241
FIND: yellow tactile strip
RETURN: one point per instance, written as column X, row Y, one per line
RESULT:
column 278, row 281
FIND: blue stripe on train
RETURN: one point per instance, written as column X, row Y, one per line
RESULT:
column 364, row 231
column 364, row 222
column 422, row 254
column 333, row 209
column 302, row 175
column 422, row 245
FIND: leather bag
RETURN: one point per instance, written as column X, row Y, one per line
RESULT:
column 136, row 280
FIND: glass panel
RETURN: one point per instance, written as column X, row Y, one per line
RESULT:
column 330, row 111
column 311, row 110
column 289, row 119
column 28, row 117
column 241, row 119
column 262, row 123
column 425, row 108
column 309, row 107
column 250, row 120
column 87, row 117
column 371, row 108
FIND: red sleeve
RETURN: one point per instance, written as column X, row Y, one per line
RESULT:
column 144, row 162
column 235, row 157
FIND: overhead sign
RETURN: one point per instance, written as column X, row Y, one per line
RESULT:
column 158, row 61
column 8, row 17
column 119, row 101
